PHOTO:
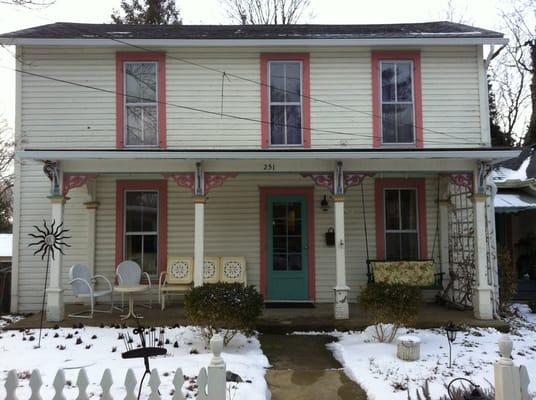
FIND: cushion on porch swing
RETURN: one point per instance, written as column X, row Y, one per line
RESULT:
column 415, row 273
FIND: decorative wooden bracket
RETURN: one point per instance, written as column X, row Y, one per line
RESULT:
column 464, row 179
column 355, row 178
column 322, row 179
column 326, row 179
column 215, row 179
column 75, row 180
column 182, row 179
column 209, row 180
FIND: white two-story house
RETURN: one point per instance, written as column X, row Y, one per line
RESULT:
column 257, row 141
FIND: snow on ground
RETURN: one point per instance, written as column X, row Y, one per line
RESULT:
column 383, row 376
column 5, row 320
column 101, row 349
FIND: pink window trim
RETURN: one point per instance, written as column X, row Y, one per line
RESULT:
column 308, row 192
column 121, row 187
column 378, row 56
column 420, row 185
column 120, row 59
column 265, row 101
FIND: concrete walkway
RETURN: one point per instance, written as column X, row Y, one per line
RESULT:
column 304, row 369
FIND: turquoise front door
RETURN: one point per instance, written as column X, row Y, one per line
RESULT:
column 288, row 278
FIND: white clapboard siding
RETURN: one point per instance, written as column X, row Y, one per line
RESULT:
column 58, row 115
column 232, row 219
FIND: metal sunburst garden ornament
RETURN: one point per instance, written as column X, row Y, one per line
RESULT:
column 50, row 239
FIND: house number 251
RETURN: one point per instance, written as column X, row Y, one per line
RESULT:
column 269, row 167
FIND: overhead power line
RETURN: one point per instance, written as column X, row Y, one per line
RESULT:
column 191, row 108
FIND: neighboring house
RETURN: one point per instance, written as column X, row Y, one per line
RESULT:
column 515, row 208
column 171, row 156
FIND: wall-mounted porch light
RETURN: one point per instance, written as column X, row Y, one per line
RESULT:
column 324, row 204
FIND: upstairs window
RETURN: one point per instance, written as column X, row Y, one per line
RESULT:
column 141, row 112
column 397, row 103
column 141, row 106
column 285, row 101
column 398, row 107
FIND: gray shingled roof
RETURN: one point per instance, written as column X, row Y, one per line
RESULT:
column 67, row 30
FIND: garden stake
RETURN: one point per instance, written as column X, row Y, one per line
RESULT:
column 50, row 239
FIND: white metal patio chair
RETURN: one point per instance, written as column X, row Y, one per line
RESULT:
column 129, row 273
column 83, row 287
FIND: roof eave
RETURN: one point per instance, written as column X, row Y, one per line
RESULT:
column 487, row 155
column 408, row 41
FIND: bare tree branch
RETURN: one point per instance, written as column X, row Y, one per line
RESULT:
column 266, row 12
column 28, row 3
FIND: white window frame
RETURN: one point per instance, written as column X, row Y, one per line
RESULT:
column 412, row 102
column 142, row 233
column 283, row 103
column 141, row 104
column 416, row 230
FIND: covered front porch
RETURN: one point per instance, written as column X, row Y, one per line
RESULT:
column 277, row 210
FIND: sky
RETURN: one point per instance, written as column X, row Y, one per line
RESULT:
column 481, row 13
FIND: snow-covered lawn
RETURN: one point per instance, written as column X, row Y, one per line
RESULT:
column 100, row 348
column 383, row 376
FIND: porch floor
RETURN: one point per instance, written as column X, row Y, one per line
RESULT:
column 273, row 320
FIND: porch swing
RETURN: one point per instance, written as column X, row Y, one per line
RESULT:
column 410, row 272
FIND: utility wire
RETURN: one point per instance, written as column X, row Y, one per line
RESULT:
column 190, row 108
column 239, row 77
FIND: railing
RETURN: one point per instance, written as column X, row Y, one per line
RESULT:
column 211, row 382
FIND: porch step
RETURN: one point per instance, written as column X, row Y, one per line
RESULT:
column 303, row 368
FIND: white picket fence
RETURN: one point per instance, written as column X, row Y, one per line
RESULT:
column 211, row 382
column 511, row 381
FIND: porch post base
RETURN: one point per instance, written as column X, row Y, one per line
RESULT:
column 55, row 305
column 482, row 303
column 341, row 308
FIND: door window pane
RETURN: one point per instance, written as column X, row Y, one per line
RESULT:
column 285, row 102
column 287, row 238
column 295, row 262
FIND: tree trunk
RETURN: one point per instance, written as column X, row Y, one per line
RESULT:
column 530, row 137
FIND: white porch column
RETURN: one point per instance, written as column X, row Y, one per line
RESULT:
column 199, row 239
column 341, row 289
column 91, row 207
column 482, row 294
column 55, row 305
column 444, row 236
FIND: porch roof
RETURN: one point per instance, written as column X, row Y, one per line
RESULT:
column 492, row 155
column 514, row 201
